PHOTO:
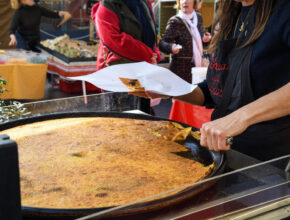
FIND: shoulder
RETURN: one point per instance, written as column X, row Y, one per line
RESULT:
column 112, row 5
column 282, row 9
column 18, row 12
column 280, row 17
column 175, row 20
column 40, row 8
column 283, row 4
column 174, row 23
column 199, row 16
column 109, row 9
column 104, row 13
column 199, row 19
column 281, row 20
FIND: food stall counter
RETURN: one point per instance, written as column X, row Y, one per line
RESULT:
column 24, row 81
column 245, row 185
column 260, row 189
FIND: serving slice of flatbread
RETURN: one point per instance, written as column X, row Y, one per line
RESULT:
column 132, row 84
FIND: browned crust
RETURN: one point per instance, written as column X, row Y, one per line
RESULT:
column 100, row 162
column 132, row 84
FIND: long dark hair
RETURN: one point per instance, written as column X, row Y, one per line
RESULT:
column 227, row 12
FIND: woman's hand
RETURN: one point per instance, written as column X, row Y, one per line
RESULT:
column 207, row 37
column 66, row 16
column 175, row 49
column 154, row 58
column 271, row 106
column 149, row 95
column 13, row 41
column 215, row 133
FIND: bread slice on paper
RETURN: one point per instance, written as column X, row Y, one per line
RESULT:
column 132, row 84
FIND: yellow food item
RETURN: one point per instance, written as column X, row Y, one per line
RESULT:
column 182, row 135
column 17, row 60
column 196, row 135
column 132, row 84
column 99, row 162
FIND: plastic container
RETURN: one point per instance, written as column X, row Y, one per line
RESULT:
column 37, row 58
column 3, row 59
column 17, row 60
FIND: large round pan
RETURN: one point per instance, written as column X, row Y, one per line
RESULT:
column 197, row 153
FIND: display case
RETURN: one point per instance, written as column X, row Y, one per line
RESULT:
column 103, row 102
column 245, row 189
column 260, row 190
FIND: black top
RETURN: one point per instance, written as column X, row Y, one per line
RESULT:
column 269, row 69
column 26, row 19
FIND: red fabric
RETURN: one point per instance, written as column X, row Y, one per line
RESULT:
column 108, row 30
column 76, row 86
column 190, row 114
column 69, row 70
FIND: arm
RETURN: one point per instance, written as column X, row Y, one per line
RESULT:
column 48, row 13
column 170, row 35
column 14, row 23
column 268, row 107
column 206, row 37
column 119, row 42
column 157, row 52
column 196, row 97
column 13, row 27
column 66, row 16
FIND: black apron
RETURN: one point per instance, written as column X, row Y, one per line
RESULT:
column 229, row 82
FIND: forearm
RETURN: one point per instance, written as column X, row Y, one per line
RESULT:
column 169, row 37
column 48, row 13
column 165, row 47
column 196, row 97
column 268, row 107
column 14, row 24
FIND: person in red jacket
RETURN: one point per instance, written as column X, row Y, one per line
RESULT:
column 126, row 30
column 127, row 33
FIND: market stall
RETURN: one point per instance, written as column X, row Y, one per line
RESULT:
column 244, row 187
column 68, row 58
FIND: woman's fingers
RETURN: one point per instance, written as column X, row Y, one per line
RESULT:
column 175, row 49
column 213, row 137
column 203, row 139
column 214, row 134
column 13, row 43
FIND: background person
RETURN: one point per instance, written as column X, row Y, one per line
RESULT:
column 26, row 21
column 186, row 30
column 127, row 33
column 248, row 82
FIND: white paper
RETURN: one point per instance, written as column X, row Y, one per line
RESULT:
column 152, row 78
column 198, row 74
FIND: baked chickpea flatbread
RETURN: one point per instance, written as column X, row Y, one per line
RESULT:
column 132, row 84
column 91, row 162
